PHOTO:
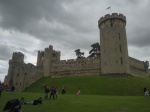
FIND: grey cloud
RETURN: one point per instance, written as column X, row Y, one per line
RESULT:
column 141, row 38
column 6, row 52
column 25, row 16
column 3, row 70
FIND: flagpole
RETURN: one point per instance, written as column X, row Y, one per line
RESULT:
column 109, row 9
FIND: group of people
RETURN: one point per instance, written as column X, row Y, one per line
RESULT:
column 52, row 91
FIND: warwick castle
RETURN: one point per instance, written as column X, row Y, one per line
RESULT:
column 113, row 60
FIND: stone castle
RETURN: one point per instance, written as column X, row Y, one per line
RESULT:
column 113, row 60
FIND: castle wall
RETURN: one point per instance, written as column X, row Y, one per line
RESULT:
column 25, row 75
column 76, row 67
column 137, row 63
column 138, row 68
column 139, row 72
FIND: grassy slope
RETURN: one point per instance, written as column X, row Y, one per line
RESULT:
column 94, row 85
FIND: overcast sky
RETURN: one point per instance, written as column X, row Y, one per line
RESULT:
column 30, row 25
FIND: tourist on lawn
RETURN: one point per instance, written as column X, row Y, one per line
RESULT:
column 146, row 92
column 63, row 90
column 55, row 91
column 78, row 92
column 46, row 92
column 35, row 102
column 52, row 93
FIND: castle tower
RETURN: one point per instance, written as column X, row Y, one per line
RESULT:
column 113, row 42
column 17, row 60
column 49, row 56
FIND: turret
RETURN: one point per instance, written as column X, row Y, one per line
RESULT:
column 113, row 41
column 18, row 57
column 17, row 60
column 49, row 57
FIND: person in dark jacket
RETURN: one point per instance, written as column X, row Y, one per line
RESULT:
column 52, row 93
column 46, row 92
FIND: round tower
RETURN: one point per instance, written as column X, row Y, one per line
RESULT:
column 113, row 42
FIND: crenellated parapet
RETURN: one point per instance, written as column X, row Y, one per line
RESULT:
column 18, row 57
column 112, row 16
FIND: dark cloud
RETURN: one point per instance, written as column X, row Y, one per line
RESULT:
column 46, row 19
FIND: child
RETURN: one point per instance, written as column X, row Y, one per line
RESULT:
column 78, row 92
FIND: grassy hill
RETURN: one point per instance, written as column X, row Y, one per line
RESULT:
column 94, row 85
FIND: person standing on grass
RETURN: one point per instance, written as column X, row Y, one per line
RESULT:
column 55, row 91
column 52, row 93
column 46, row 92
column 78, row 92
column 146, row 92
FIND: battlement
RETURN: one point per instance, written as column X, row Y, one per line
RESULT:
column 49, row 48
column 18, row 57
column 76, row 60
column 113, row 15
column 18, row 54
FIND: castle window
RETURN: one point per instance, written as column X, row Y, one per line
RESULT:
column 105, row 63
column 111, row 22
column 53, row 55
column 17, row 74
column 120, row 48
column 20, row 84
column 121, row 60
column 119, row 36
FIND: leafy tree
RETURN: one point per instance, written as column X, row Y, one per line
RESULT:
column 95, row 51
column 79, row 54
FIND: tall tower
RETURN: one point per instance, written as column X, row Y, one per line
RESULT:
column 113, row 42
column 49, row 56
column 17, row 60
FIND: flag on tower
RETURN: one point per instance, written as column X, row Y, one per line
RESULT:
column 108, row 7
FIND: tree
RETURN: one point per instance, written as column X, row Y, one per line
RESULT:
column 95, row 51
column 79, row 54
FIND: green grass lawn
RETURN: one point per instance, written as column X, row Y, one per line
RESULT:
column 82, row 103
